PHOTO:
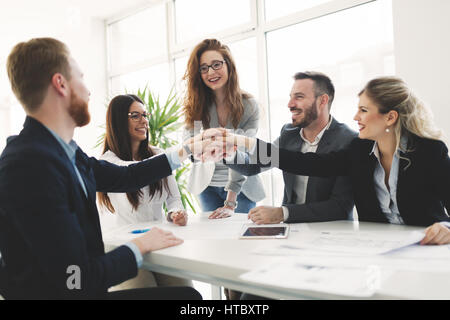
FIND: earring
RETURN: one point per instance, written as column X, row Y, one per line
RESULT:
column 387, row 130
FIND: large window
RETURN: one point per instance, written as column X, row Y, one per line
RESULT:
column 349, row 40
column 156, row 77
column 350, row 46
column 280, row 8
column 201, row 18
column 138, row 38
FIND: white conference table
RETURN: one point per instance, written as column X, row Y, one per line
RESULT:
column 213, row 253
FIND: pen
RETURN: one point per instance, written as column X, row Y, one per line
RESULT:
column 140, row 231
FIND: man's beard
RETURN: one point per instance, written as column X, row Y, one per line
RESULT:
column 78, row 110
column 310, row 115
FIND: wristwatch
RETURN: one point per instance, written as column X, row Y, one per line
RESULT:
column 189, row 152
column 231, row 204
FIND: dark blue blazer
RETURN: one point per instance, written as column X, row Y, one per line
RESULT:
column 47, row 224
column 423, row 187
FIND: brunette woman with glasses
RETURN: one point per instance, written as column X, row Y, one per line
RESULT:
column 126, row 142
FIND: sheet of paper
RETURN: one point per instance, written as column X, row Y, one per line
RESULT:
column 411, row 258
column 358, row 242
column 293, row 273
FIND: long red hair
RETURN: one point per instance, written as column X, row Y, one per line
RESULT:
column 198, row 96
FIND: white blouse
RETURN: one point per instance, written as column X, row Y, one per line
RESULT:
column 150, row 209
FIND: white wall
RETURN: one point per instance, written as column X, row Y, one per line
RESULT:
column 422, row 52
column 85, row 37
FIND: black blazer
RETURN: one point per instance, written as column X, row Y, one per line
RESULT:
column 423, row 188
column 47, row 224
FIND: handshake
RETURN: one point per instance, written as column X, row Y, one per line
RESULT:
column 216, row 144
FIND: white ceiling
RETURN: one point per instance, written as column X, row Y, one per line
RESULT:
column 95, row 8
column 107, row 8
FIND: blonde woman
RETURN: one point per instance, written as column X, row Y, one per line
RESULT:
column 399, row 167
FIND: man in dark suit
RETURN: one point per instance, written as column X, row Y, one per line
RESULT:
column 50, row 237
column 313, row 129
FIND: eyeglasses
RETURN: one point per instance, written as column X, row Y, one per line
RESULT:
column 216, row 65
column 137, row 116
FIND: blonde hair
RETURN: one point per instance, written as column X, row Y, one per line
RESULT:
column 392, row 93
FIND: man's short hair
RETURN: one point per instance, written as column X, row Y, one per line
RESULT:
column 31, row 66
column 322, row 84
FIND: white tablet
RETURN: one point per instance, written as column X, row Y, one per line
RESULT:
column 264, row 232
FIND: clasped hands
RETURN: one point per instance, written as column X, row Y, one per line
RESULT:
column 215, row 144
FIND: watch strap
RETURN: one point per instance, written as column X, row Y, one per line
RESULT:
column 231, row 204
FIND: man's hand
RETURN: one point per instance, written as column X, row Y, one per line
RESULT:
column 222, row 212
column 214, row 133
column 156, row 239
column 202, row 147
column 217, row 143
column 178, row 217
column 436, row 234
column 266, row 215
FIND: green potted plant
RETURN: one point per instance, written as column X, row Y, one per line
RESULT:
column 164, row 121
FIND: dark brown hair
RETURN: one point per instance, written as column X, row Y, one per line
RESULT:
column 31, row 66
column 322, row 84
column 117, row 139
column 199, row 96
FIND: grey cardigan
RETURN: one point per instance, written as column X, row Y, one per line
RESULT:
column 201, row 173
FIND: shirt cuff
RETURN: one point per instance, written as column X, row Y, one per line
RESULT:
column 285, row 213
column 136, row 252
column 445, row 224
column 174, row 159
column 253, row 149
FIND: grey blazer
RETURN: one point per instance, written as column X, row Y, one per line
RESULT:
column 201, row 173
column 326, row 198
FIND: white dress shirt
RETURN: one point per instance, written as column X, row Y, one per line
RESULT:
column 150, row 208
column 387, row 197
column 301, row 182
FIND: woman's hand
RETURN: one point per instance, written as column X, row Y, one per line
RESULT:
column 178, row 217
column 436, row 234
column 222, row 212
column 200, row 145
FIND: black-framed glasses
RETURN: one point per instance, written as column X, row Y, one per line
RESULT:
column 137, row 116
column 216, row 65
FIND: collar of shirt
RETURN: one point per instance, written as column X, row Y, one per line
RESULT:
column 70, row 148
column 319, row 136
column 403, row 144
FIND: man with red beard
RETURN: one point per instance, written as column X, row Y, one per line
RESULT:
column 313, row 129
column 50, row 238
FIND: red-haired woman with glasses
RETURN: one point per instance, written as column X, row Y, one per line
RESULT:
column 215, row 99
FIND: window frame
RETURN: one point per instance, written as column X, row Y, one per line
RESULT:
column 258, row 27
